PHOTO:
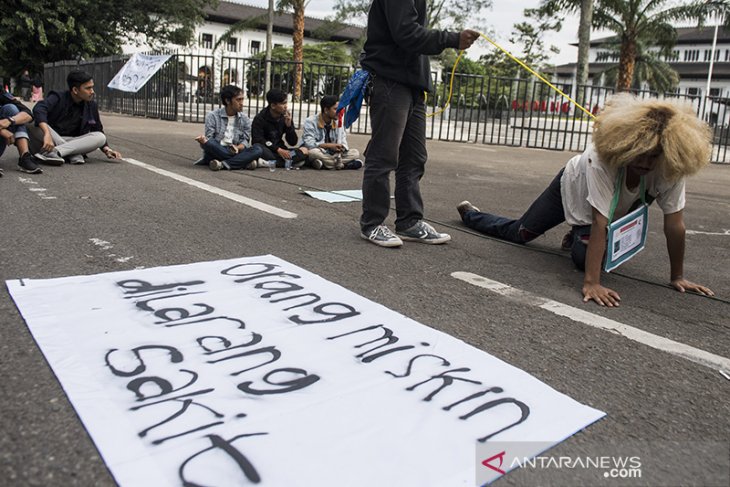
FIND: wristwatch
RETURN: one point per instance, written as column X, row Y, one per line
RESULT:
column 11, row 120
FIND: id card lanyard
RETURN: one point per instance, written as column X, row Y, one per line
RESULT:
column 626, row 236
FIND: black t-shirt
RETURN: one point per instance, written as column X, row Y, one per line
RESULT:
column 71, row 124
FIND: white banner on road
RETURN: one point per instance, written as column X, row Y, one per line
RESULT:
column 256, row 371
column 137, row 71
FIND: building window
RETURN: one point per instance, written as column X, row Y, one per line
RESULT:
column 278, row 45
column 207, row 41
column 693, row 91
column 255, row 47
column 715, row 91
column 707, row 55
column 727, row 55
column 232, row 44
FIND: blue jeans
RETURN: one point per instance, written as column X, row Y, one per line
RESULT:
column 543, row 214
column 20, row 132
column 398, row 143
column 215, row 150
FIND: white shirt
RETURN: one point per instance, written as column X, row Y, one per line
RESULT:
column 228, row 136
column 587, row 183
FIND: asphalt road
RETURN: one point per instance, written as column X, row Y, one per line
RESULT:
column 52, row 225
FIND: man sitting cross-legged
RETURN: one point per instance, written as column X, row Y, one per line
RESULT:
column 327, row 143
column 13, row 117
column 226, row 143
column 68, row 125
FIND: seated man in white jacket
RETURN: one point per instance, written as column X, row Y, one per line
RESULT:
column 327, row 143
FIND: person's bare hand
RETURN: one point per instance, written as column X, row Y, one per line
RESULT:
column 287, row 118
column 8, row 136
column 283, row 153
column 467, row 37
column 683, row 285
column 48, row 144
column 201, row 139
column 601, row 295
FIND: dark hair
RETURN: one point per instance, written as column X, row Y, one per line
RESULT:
column 77, row 78
column 229, row 92
column 275, row 95
column 327, row 101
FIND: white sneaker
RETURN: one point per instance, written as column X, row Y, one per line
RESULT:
column 382, row 236
column 215, row 165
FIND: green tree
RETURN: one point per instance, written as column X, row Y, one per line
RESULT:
column 34, row 32
column 441, row 14
column 637, row 21
column 650, row 69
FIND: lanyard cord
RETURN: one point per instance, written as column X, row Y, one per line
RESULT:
column 617, row 192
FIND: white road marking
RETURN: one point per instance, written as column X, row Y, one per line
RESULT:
column 699, row 232
column 212, row 189
column 37, row 190
column 654, row 341
column 104, row 245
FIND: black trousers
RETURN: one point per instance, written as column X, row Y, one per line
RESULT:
column 398, row 143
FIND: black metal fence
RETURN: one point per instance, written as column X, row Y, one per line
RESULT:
column 487, row 110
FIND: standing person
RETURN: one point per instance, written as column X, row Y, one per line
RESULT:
column 68, row 125
column 37, row 90
column 226, row 143
column 651, row 144
column 327, row 143
column 13, row 119
column 26, row 83
column 396, row 54
column 272, row 126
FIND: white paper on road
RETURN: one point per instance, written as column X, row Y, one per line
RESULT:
column 339, row 196
column 222, row 373
column 137, row 71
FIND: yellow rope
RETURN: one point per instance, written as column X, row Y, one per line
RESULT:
column 451, row 86
column 453, row 71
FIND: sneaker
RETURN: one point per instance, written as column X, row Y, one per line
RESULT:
column 317, row 164
column 27, row 163
column 252, row 165
column 567, row 243
column 424, row 233
column 1, row 172
column 464, row 207
column 298, row 165
column 354, row 164
column 262, row 163
column 381, row 235
column 215, row 165
column 51, row 158
column 76, row 159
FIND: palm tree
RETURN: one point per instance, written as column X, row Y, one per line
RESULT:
column 297, row 7
column 634, row 21
column 650, row 69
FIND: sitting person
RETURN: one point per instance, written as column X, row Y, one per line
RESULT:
column 271, row 126
column 13, row 117
column 327, row 143
column 68, row 125
column 649, row 143
column 227, row 134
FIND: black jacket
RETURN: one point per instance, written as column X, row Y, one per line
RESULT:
column 398, row 43
column 56, row 108
column 265, row 128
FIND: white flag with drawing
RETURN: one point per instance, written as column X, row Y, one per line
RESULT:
column 137, row 71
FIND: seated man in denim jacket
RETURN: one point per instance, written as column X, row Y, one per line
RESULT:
column 327, row 143
column 227, row 134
